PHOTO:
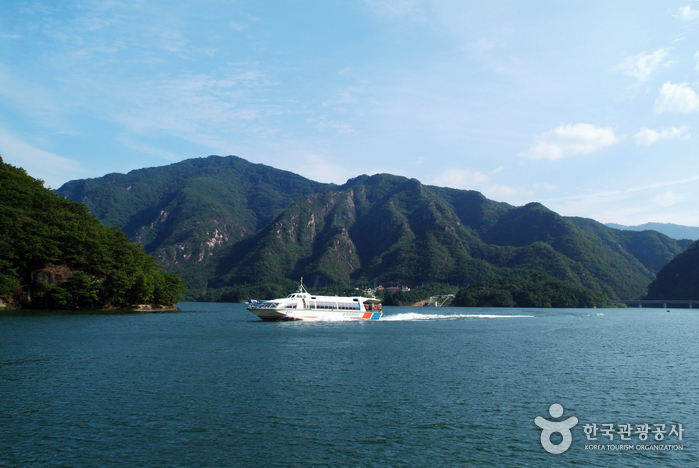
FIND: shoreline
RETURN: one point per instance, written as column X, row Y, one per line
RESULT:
column 134, row 309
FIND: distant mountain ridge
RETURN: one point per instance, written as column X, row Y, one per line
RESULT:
column 674, row 231
column 232, row 228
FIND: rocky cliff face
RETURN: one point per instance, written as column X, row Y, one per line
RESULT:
column 226, row 222
column 186, row 213
column 398, row 231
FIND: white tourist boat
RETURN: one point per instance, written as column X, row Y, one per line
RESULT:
column 304, row 306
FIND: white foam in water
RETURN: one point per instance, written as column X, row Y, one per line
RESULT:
column 413, row 316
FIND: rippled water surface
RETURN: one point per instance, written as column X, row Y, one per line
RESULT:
column 213, row 386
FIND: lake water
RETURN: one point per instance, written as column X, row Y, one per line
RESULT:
column 213, row 386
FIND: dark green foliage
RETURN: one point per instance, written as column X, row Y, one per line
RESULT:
column 282, row 288
column 187, row 213
column 525, row 288
column 8, row 275
column 393, row 230
column 80, row 291
column 653, row 249
column 242, row 293
column 234, row 230
column 679, row 279
column 54, row 254
column 416, row 295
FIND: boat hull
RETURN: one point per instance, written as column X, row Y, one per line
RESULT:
column 271, row 315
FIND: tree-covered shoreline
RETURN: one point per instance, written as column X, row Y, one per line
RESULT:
column 55, row 255
column 528, row 288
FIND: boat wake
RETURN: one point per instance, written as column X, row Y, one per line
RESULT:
column 410, row 317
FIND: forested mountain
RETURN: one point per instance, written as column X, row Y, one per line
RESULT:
column 528, row 288
column 235, row 229
column 394, row 230
column 188, row 212
column 55, row 254
column 679, row 279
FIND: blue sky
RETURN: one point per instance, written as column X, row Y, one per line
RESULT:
column 587, row 107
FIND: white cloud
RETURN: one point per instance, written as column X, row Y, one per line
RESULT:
column 338, row 126
column 481, row 46
column 545, row 186
column 40, row 164
column 678, row 98
column 344, row 98
column 514, row 195
column 461, row 178
column 29, row 96
column 570, row 140
column 666, row 199
column 646, row 136
column 316, row 166
column 687, row 14
column 150, row 150
column 467, row 179
column 172, row 41
column 643, row 65
column 199, row 108
column 394, row 9
column 630, row 205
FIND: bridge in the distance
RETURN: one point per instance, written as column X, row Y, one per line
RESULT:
column 662, row 303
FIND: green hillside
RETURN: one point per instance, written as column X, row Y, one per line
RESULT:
column 54, row 254
column 237, row 230
column 527, row 288
column 392, row 230
column 185, row 213
column 679, row 279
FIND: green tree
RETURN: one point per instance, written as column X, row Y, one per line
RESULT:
column 81, row 263
column 527, row 288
